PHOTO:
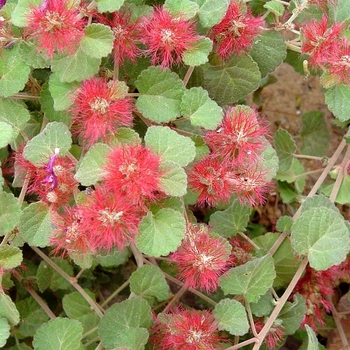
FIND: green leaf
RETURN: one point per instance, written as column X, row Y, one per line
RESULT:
column 30, row 54
column 59, row 334
column 113, row 258
column 314, row 129
column 4, row 331
column 98, row 40
column 10, row 212
column 6, row 134
column 269, row 51
column 317, row 201
column 15, row 114
column 287, row 192
column 285, row 148
column 200, row 108
column 61, row 93
column 231, row 317
column 284, row 224
column 35, row 225
column 229, row 222
column 149, row 283
column 161, row 92
column 338, row 101
column 251, row 280
column 77, row 308
column 198, row 53
column 10, row 257
column 312, row 342
column 124, row 324
column 19, row 16
column 233, row 81
column 275, row 7
column 340, row 11
column 321, row 235
column 39, row 149
column 90, row 167
column 13, row 72
column 292, row 314
column 186, row 8
column 109, row 5
column 170, row 145
column 285, row 263
column 264, row 305
column 211, row 12
column 8, row 309
column 270, row 162
column 294, row 174
column 126, row 136
column 76, row 67
column 174, row 180
column 343, row 195
column 47, row 277
column 161, row 233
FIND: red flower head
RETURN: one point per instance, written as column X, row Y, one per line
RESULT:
column 201, row 259
column 133, row 171
column 275, row 334
column 56, row 25
column 236, row 31
column 99, row 108
column 186, row 330
column 110, row 220
column 239, row 138
column 339, row 63
column 209, row 178
column 126, row 35
column 319, row 41
column 241, row 251
column 167, row 37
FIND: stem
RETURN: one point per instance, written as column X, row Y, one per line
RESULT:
column 71, row 280
column 249, row 240
column 176, row 297
column 137, row 254
column 304, row 156
column 240, row 345
column 188, row 75
column 251, row 319
column 25, row 96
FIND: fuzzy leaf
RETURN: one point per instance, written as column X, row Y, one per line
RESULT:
column 314, row 129
column 109, row 5
column 338, row 101
column 13, row 72
column 340, row 11
column 312, row 342
column 15, row 114
column 264, row 305
column 229, row 222
column 174, row 180
column 231, row 317
column 251, row 280
column 19, row 16
column 201, row 109
column 227, row 84
column 170, row 145
column 323, row 236
column 285, row 148
column 39, row 149
column 161, row 233
column 61, row 93
column 343, row 195
column 8, row 309
column 161, row 92
column 275, row 7
column 317, row 201
column 10, row 257
column 198, row 53
column 6, row 134
column 76, row 67
column 35, row 225
column 211, row 12
column 98, row 40
column 90, row 167
column 270, row 162
column 292, row 314
column 269, row 51
column 59, row 334
column 113, row 258
column 294, row 174
column 149, row 282
column 284, row 224
column 10, row 212
column 124, row 324
column 30, row 54
column 186, row 8
column 4, row 331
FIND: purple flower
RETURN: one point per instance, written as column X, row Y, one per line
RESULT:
column 51, row 178
column 2, row 3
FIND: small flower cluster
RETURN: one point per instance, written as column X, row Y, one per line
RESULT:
column 234, row 164
column 328, row 50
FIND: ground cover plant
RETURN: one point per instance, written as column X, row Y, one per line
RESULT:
column 134, row 162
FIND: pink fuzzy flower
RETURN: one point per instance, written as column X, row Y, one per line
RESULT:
column 275, row 335
column 167, row 38
column 111, row 221
column 126, row 35
column 186, row 330
column 239, row 138
column 99, row 108
column 209, row 178
column 201, row 259
column 56, row 25
column 133, row 171
column 339, row 63
column 236, row 31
